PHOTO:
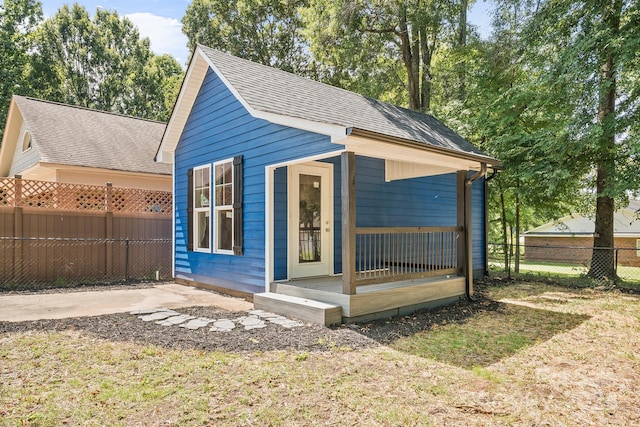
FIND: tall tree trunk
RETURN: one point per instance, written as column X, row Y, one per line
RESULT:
column 410, row 59
column 603, row 260
column 462, row 42
column 503, row 219
column 426, row 76
column 517, row 260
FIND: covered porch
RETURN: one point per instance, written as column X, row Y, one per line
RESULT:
column 383, row 270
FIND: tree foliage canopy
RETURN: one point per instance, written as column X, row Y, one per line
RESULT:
column 101, row 63
column 264, row 31
column 18, row 21
column 97, row 62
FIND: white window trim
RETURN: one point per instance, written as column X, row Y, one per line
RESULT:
column 217, row 208
column 196, row 210
column 638, row 247
column 29, row 145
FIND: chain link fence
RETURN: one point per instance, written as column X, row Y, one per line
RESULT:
column 604, row 265
column 41, row 263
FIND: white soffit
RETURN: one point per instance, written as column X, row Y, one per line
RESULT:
column 415, row 161
column 395, row 170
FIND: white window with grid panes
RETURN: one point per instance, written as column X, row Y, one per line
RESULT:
column 223, row 206
column 202, row 208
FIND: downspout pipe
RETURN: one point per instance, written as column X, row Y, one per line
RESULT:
column 468, row 220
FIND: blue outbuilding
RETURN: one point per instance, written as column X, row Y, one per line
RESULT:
column 317, row 202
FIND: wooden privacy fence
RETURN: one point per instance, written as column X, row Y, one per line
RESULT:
column 57, row 233
column 32, row 263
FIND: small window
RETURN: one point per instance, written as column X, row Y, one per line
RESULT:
column 202, row 208
column 26, row 141
column 638, row 247
column 223, row 207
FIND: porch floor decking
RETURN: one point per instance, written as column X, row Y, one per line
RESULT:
column 382, row 298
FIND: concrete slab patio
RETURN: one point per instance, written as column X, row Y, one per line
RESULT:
column 59, row 305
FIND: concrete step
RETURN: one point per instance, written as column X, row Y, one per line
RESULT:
column 300, row 308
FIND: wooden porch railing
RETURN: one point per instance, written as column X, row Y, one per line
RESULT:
column 398, row 253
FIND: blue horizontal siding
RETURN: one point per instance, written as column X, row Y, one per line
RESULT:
column 220, row 128
column 426, row 201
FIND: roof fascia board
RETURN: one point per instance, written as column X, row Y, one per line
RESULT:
column 389, row 151
column 475, row 158
column 186, row 98
column 10, row 138
column 90, row 169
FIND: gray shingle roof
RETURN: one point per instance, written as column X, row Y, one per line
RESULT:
column 271, row 90
column 76, row 136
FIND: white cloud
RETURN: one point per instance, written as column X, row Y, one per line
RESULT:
column 165, row 34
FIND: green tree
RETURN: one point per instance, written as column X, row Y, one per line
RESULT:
column 155, row 90
column 100, row 63
column 503, row 113
column 18, row 20
column 371, row 38
column 586, row 52
column 263, row 31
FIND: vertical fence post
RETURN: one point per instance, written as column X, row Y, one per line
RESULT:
column 126, row 260
column 615, row 264
column 17, row 229
column 109, row 231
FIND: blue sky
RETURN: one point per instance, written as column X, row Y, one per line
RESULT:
column 160, row 20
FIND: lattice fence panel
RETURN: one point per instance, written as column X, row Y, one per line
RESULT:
column 39, row 194
column 141, row 201
column 85, row 197
column 80, row 197
column 57, row 195
column 7, row 192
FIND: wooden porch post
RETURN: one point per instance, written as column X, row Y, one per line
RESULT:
column 461, row 212
column 348, row 198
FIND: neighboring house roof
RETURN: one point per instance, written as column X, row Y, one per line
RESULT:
column 286, row 98
column 626, row 223
column 69, row 135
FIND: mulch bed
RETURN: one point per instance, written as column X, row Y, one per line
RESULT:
column 127, row 327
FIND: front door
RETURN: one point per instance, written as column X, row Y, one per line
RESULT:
column 310, row 219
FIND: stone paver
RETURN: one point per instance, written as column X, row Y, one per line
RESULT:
column 255, row 319
column 223, row 325
column 251, row 322
column 175, row 320
column 159, row 315
column 198, row 323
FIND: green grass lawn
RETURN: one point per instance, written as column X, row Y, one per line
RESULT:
column 567, row 356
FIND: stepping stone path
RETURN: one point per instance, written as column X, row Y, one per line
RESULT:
column 255, row 319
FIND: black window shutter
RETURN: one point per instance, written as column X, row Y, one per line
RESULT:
column 237, row 205
column 190, row 209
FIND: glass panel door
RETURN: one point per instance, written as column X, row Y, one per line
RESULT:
column 309, row 218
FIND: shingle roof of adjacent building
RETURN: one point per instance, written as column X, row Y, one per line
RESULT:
column 626, row 222
column 271, row 90
column 69, row 135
